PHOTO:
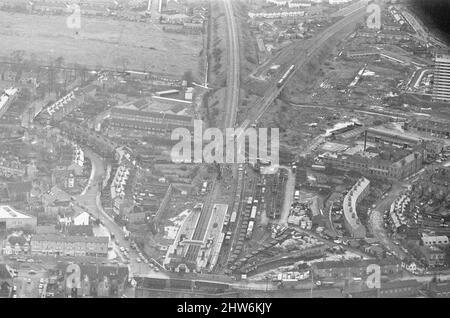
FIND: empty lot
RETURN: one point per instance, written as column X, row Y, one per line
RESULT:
column 110, row 43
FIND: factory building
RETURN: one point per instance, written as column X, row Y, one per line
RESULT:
column 12, row 219
column 154, row 123
column 429, row 127
column 370, row 165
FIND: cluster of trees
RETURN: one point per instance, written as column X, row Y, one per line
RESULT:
column 431, row 190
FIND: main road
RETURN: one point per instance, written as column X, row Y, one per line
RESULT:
column 90, row 199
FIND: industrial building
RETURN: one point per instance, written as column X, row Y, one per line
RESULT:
column 354, row 268
column 433, row 240
column 383, row 153
column 153, row 123
column 7, row 98
column 371, row 165
column 150, row 117
column 429, row 127
column 12, row 219
column 380, row 135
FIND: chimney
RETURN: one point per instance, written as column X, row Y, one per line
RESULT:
column 365, row 140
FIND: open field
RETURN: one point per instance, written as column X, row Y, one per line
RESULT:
column 110, row 43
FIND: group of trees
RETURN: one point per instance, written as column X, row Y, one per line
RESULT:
column 430, row 189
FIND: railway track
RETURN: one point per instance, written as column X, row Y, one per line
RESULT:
column 274, row 90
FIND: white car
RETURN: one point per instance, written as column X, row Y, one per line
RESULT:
column 138, row 260
column 145, row 261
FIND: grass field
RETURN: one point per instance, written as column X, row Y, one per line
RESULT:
column 106, row 42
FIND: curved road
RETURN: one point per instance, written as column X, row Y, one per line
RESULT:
column 90, row 199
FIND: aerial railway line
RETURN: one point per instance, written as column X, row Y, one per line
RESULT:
column 273, row 90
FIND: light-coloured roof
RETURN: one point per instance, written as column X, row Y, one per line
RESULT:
column 6, row 95
column 7, row 212
column 350, row 200
column 70, row 239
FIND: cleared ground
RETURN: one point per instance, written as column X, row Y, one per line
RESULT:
column 110, row 43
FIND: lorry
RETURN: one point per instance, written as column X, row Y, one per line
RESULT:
column 249, row 230
column 233, row 217
column 253, row 213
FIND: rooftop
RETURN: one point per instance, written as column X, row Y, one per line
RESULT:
column 7, row 212
column 392, row 134
column 355, row 263
column 69, row 239
column 160, row 115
